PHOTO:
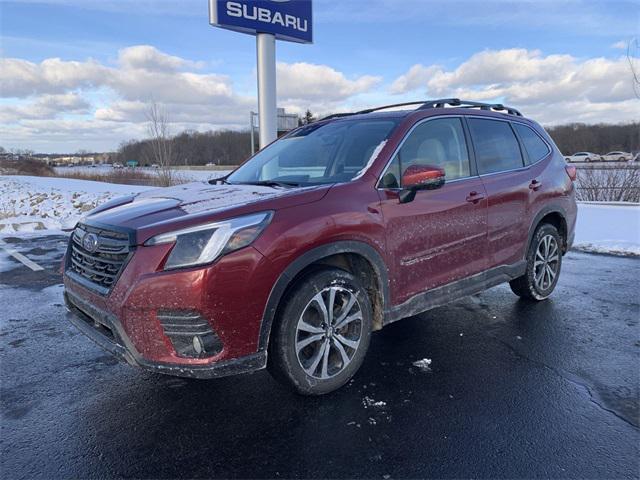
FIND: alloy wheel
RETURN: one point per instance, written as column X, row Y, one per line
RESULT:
column 546, row 263
column 328, row 332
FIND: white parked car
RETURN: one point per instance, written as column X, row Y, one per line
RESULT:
column 584, row 157
column 617, row 157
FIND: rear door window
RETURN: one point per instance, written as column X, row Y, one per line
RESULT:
column 534, row 146
column 496, row 146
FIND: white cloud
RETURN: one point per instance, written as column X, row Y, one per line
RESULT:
column 45, row 107
column 117, row 96
column 21, row 78
column 310, row 82
column 65, row 105
column 563, row 87
column 149, row 58
column 416, row 77
column 621, row 45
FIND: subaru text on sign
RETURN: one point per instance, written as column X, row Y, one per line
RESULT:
column 287, row 20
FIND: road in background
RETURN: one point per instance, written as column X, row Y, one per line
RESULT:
column 514, row 389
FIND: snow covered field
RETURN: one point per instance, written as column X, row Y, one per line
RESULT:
column 30, row 204
column 37, row 203
column 608, row 228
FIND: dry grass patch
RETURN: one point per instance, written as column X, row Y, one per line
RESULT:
column 124, row 177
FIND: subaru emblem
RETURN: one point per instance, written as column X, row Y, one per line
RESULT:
column 90, row 242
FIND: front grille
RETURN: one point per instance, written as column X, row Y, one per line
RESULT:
column 102, row 264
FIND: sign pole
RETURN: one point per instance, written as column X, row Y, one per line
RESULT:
column 267, row 115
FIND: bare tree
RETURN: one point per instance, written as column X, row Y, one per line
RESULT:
column 609, row 184
column 160, row 143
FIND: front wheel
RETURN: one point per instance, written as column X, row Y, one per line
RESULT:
column 544, row 260
column 322, row 332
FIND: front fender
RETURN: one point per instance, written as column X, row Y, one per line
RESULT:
column 308, row 258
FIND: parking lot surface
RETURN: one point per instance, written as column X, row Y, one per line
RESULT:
column 514, row 389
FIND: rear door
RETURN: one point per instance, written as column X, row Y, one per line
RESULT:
column 440, row 236
column 508, row 183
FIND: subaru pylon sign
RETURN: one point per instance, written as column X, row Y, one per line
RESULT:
column 289, row 20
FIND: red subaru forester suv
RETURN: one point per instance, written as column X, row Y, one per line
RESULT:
column 328, row 234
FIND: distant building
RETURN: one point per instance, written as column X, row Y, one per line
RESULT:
column 286, row 122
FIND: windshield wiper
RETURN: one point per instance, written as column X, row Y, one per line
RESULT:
column 272, row 183
column 214, row 181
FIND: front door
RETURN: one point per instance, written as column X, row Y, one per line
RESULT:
column 440, row 236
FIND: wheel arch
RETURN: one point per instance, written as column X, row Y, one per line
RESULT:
column 357, row 257
column 554, row 215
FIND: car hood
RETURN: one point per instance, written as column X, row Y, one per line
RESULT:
column 165, row 209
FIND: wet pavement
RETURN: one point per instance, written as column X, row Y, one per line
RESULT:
column 513, row 390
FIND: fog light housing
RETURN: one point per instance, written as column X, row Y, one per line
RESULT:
column 191, row 335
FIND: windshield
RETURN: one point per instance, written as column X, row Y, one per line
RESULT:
column 318, row 153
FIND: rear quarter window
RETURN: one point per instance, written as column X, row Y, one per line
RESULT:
column 535, row 147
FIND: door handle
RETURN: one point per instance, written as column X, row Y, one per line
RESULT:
column 535, row 185
column 474, row 197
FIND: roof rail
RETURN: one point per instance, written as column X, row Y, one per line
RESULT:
column 370, row 110
column 336, row 115
column 439, row 103
column 456, row 102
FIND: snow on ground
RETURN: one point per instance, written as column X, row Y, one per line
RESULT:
column 30, row 204
column 423, row 364
column 36, row 203
column 608, row 228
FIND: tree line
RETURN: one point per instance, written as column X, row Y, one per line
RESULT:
column 601, row 138
column 224, row 147
column 229, row 147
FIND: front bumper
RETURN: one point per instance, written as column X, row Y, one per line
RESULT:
column 106, row 331
column 138, row 320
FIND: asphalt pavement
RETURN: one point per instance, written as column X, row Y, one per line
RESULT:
column 514, row 389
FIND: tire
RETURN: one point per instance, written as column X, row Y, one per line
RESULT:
column 587, row 160
column 298, row 355
column 543, row 266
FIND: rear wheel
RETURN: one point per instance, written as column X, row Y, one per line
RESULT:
column 544, row 260
column 322, row 332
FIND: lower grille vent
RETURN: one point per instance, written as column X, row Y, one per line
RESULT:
column 190, row 334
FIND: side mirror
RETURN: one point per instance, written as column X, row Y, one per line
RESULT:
column 420, row 177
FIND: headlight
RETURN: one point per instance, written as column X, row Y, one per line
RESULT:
column 204, row 243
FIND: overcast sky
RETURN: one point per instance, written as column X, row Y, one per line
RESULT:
column 80, row 74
